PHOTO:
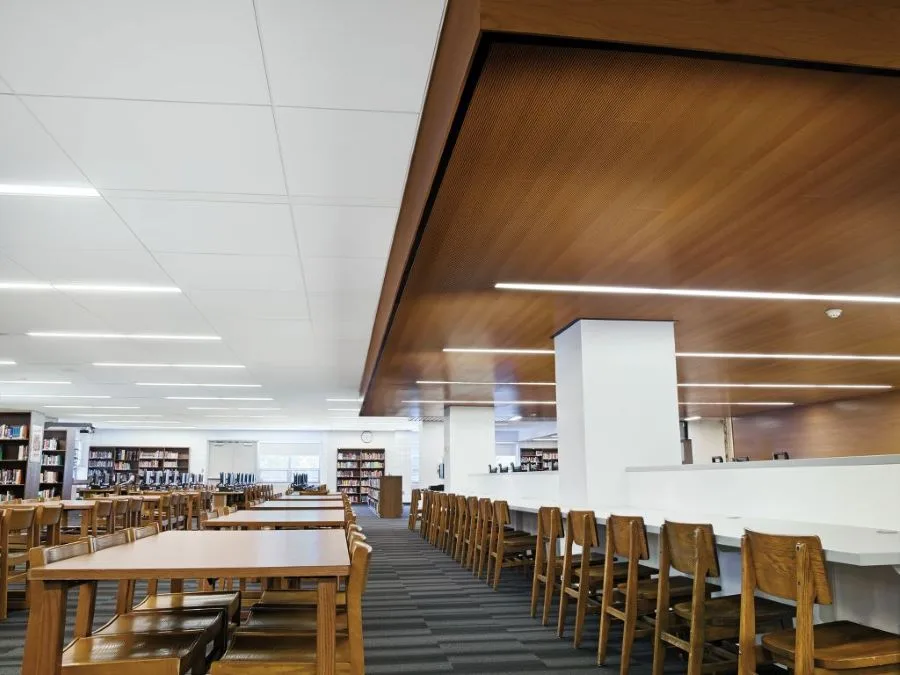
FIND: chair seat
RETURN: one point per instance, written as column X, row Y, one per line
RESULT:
column 230, row 602
column 841, row 645
column 302, row 598
column 679, row 587
column 296, row 654
column 137, row 653
column 726, row 611
column 620, row 571
column 207, row 622
column 280, row 620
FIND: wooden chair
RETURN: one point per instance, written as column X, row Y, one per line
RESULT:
column 690, row 549
column 793, row 568
column 507, row 548
column 468, row 554
column 104, row 523
column 135, row 509
column 460, row 527
column 626, row 537
column 15, row 524
column 415, row 513
column 134, row 653
column 448, row 523
column 120, row 514
column 437, row 520
column 482, row 535
column 283, row 642
column 48, row 524
column 547, row 563
column 427, row 498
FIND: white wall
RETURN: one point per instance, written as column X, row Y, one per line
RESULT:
column 707, row 439
column 431, row 453
column 395, row 443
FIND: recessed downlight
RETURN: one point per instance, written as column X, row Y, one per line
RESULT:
column 699, row 293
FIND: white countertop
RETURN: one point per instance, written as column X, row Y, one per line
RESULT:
column 859, row 546
column 861, row 460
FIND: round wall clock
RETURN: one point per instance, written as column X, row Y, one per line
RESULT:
column 366, row 436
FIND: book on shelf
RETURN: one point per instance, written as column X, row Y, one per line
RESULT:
column 11, row 477
column 14, row 432
column 50, row 444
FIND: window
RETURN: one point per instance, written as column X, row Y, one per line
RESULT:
column 278, row 462
column 505, row 460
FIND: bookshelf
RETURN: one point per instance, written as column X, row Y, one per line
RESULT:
column 132, row 460
column 386, row 496
column 539, row 459
column 56, row 463
column 355, row 468
column 21, row 442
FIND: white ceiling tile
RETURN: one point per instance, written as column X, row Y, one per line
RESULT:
column 210, row 227
column 343, row 316
column 28, row 156
column 185, row 147
column 193, row 271
column 117, row 267
column 23, row 311
column 3, row 88
column 59, row 223
column 11, row 271
column 345, row 231
column 167, row 313
column 273, row 342
column 202, row 50
column 343, row 153
column 344, row 275
column 350, row 53
column 248, row 305
column 24, row 349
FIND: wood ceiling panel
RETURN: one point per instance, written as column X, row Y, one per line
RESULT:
column 627, row 167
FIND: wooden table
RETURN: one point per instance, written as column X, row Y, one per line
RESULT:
column 293, row 498
column 304, row 504
column 321, row 555
column 220, row 497
column 295, row 519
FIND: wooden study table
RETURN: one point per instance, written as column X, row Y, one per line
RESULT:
column 294, row 519
column 305, row 504
column 299, row 498
column 321, row 555
column 221, row 497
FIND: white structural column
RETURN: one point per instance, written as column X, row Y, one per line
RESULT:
column 469, row 445
column 431, row 452
column 616, row 405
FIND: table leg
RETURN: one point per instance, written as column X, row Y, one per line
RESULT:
column 326, row 611
column 46, row 628
column 84, row 615
column 189, row 525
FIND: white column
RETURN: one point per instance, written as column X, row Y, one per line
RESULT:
column 616, row 406
column 431, row 452
column 469, row 445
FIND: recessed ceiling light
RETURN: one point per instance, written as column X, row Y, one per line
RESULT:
column 49, row 396
column 736, row 403
column 247, row 416
column 219, row 398
column 692, row 419
column 797, row 357
column 490, row 350
column 167, row 365
column 194, row 384
column 344, row 400
column 114, row 288
column 495, row 384
column 515, row 418
column 483, row 402
column 47, row 190
column 257, row 408
column 119, row 336
column 699, row 293
column 6, row 362
column 785, row 386
column 108, row 414
column 148, row 427
column 93, row 407
column 343, row 410
column 140, row 421
column 34, row 382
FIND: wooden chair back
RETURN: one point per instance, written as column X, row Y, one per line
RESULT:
column 109, row 540
column 135, row 507
column 119, row 510
column 686, row 544
column 136, row 533
column 49, row 517
column 103, row 516
column 626, row 536
column 414, row 499
column 549, row 532
column 581, row 530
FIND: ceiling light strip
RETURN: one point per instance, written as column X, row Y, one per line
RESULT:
column 47, row 190
column 166, row 365
column 492, row 384
column 773, row 403
column 700, row 293
column 7, row 362
column 49, row 396
column 219, row 398
column 195, row 384
column 797, row 357
column 119, row 336
column 34, row 382
column 485, row 402
column 491, row 350
column 774, row 385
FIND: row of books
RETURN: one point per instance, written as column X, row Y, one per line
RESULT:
column 50, row 477
column 50, row 444
column 11, row 476
column 361, row 456
column 51, row 460
column 14, row 431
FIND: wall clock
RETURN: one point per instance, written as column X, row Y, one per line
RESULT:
column 366, row 436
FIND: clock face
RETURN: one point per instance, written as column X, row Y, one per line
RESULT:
column 366, row 436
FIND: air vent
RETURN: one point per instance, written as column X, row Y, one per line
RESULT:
column 425, row 419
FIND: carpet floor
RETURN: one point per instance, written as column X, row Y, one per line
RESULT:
column 423, row 613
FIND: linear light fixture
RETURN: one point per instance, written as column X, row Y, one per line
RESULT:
column 796, row 357
column 247, row 416
column 84, row 288
column 167, row 365
column 736, row 403
column 692, row 419
column 219, row 398
column 774, row 385
column 109, row 415
column 94, row 407
column 34, row 382
column 491, row 350
column 119, row 336
column 195, row 384
column 495, row 384
column 515, row 418
column 700, row 293
column 424, row 402
column 343, row 409
column 7, row 362
column 344, row 400
column 215, row 408
column 153, row 427
column 49, row 396
column 47, row 190
column 141, row 421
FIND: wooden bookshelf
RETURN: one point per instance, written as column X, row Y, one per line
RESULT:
column 539, row 459
column 131, row 460
column 21, row 443
column 56, row 463
column 355, row 467
column 386, row 496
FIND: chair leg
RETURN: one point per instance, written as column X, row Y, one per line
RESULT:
column 605, row 620
column 580, row 611
column 535, row 590
column 499, row 565
column 549, row 587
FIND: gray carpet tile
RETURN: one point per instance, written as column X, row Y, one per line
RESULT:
column 423, row 613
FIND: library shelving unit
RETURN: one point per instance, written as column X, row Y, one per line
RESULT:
column 386, row 496
column 355, row 466
column 56, row 463
column 21, row 454
column 132, row 460
column 538, row 459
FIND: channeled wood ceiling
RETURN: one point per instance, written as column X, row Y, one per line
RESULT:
column 622, row 166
